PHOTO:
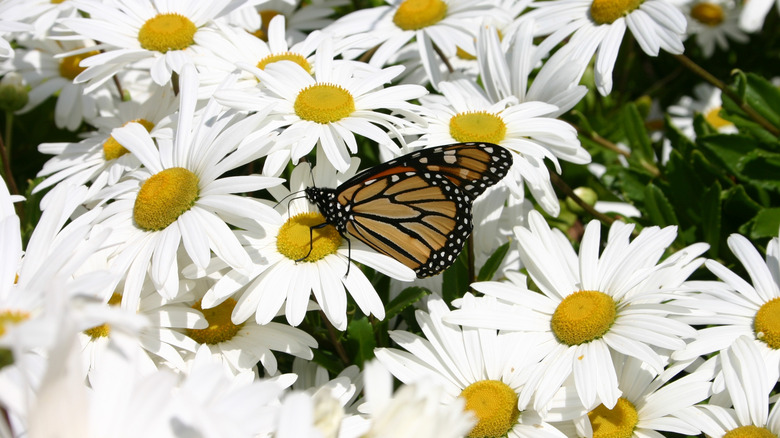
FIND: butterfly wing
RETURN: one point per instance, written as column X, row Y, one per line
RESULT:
column 417, row 208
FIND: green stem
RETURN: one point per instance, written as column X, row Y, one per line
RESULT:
column 5, row 155
column 561, row 184
column 707, row 76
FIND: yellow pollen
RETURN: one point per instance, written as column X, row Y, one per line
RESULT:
column 265, row 18
column 583, row 317
column 749, row 432
column 221, row 327
column 56, row 2
column 286, row 56
column 113, row 150
column 713, row 118
column 296, row 236
column 103, row 330
column 495, row 405
column 767, row 323
column 417, row 14
column 11, row 317
column 164, row 197
column 165, row 32
column 324, row 103
column 477, row 126
column 618, row 422
column 607, row 11
column 69, row 65
column 707, row 13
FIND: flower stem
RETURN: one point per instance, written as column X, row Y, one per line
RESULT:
column 334, row 339
column 5, row 154
column 707, row 76
column 561, row 184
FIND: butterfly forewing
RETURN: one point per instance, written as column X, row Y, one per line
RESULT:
column 416, row 208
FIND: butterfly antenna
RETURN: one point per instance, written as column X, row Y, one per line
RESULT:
column 291, row 194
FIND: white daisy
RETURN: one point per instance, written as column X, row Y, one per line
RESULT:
column 649, row 402
column 754, row 13
column 41, row 14
column 737, row 308
column 590, row 305
column 160, row 37
column 480, row 365
column 706, row 101
column 178, row 199
column 49, row 74
column 463, row 113
column 302, row 18
column 328, row 271
column 99, row 160
column 753, row 413
column 9, row 27
column 341, row 100
column 598, row 26
column 714, row 22
column 443, row 25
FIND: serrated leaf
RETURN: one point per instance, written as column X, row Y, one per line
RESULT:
column 739, row 209
column 728, row 149
column 766, row 223
column 636, row 134
column 659, row 209
column 678, row 141
column 711, row 217
column 493, row 262
column 406, row 298
column 360, row 334
column 763, row 97
column 761, row 168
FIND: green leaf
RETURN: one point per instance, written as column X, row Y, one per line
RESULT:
column 659, row 209
column 636, row 134
column 763, row 97
column 493, row 262
column 727, row 150
column 766, row 223
column 406, row 298
column 739, row 209
column 761, row 168
column 711, row 217
column 456, row 278
column 360, row 335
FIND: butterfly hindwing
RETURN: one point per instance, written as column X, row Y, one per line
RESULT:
column 415, row 208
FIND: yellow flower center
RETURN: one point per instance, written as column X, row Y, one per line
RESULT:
column 113, row 150
column 165, row 32
column 324, row 103
column 56, row 2
column 417, row 14
column 286, row 56
column 749, row 432
column 296, row 236
column 713, row 118
column 478, row 126
column 164, row 197
column 495, row 405
column 583, row 317
column 69, row 65
column 221, row 327
column 618, row 422
column 265, row 18
column 767, row 323
column 11, row 317
column 710, row 14
column 103, row 330
column 607, row 11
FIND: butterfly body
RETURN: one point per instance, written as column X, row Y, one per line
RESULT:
column 415, row 208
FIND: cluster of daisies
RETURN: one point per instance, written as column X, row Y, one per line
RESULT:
column 171, row 283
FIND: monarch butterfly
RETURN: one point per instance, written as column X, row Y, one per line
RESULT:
column 415, row 208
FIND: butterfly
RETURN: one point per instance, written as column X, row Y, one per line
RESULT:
column 415, row 208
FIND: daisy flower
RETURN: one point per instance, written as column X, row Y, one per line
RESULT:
column 41, row 14
column 736, row 308
column 178, row 199
column 284, row 270
column 753, row 412
column 160, row 37
column 341, row 99
column 463, row 113
column 9, row 27
column 301, row 18
column 706, row 101
column 714, row 22
column 648, row 404
column 590, row 306
column 443, row 25
column 413, row 410
column 598, row 26
column 48, row 72
column 754, row 13
column 99, row 160
column 482, row 366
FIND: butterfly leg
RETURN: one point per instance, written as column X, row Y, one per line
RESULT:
column 311, row 240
